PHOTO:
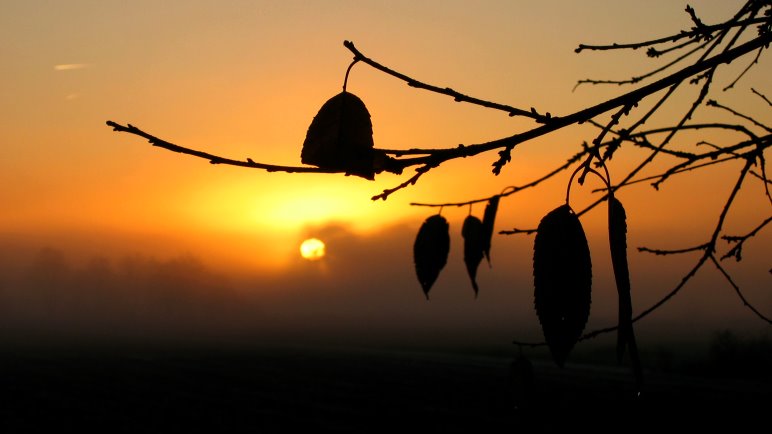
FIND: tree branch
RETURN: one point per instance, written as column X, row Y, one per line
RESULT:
column 457, row 96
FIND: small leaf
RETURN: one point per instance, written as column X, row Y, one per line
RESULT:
column 341, row 137
column 617, row 234
column 430, row 251
column 562, row 272
column 473, row 234
column 489, row 219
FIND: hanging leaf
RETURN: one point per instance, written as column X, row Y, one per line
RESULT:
column 488, row 219
column 430, row 251
column 341, row 137
column 562, row 273
column 617, row 234
column 473, row 234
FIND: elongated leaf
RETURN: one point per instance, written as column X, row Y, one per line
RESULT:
column 430, row 251
column 617, row 233
column 489, row 218
column 472, row 231
column 341, row 137
column 562, row 272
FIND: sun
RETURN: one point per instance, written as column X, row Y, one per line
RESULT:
column 312, row 249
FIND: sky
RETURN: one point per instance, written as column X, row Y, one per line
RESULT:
column 102, row 234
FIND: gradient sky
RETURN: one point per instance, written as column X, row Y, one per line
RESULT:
column 245, row 78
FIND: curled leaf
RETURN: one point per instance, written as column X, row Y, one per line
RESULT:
column 341, row 137
column 562, row 272
column 473, row 233
column 617, row 234
column 430, row 251
column 489, row 218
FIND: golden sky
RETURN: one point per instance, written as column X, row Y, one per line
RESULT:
column 245, row 78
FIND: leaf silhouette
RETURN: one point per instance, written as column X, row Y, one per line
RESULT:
column 489, row 218
column 473, row 233
column 430, row 251
column 617, row 234
column 562, row 272
column 340, row 137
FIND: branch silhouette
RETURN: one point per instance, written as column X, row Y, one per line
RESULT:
column 620, row 122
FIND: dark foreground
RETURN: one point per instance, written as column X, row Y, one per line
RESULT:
column 347, row 390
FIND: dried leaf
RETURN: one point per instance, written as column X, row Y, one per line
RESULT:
column 473, row 234
column 430, row 251
column 341, row 137
column 489, row 219
column 562, row 272
column 617, row 234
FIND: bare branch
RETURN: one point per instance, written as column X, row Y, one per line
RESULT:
column 736, row 251
column 714, row 103
column 762, row 96
column 413, row 179
column 747, row 68
column 457, row 96
column 673, row 38
column 661, row 252
column 512, row 189
column 215, row 159
column 737, row 290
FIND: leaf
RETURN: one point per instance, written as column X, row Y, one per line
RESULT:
column 473, row 233
column 488, row 219
column 562, row 272
column 430, row 251
column 340, row 137
column 617, row 234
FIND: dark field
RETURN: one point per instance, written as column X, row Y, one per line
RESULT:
column 287, row 389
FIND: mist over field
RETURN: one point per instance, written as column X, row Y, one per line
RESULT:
column 363, row 293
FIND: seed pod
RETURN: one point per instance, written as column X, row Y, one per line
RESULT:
column 341, row 137
column 617, row 234
column 473, row 234
column 488, row 219
column 562, row 273
column 430, row 251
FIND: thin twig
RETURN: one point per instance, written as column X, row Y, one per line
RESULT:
column 215, row 159
column 714, row 103
column 457, row 96
column 762, row 96
column 737, row 290
column 511, row 189
column 666, row 39
column 736, row 251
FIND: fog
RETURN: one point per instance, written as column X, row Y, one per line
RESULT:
column 364, row 292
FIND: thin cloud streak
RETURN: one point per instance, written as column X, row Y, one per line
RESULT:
column 71, row 66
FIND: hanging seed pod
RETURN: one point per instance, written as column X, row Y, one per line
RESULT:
column 341, row 137
column 617, row 234
column 430, row 251
column 473, row 234
column 562, row 273
column 488, row 219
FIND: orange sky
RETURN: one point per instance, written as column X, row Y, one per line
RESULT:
column 245, row 78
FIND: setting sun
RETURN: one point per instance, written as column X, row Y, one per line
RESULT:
column 312, row 249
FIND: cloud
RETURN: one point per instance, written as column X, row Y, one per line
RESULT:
column 71, row 66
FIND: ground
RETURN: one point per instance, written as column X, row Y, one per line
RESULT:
column 291, row 388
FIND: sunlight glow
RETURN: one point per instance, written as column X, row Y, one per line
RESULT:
column 312, row 249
